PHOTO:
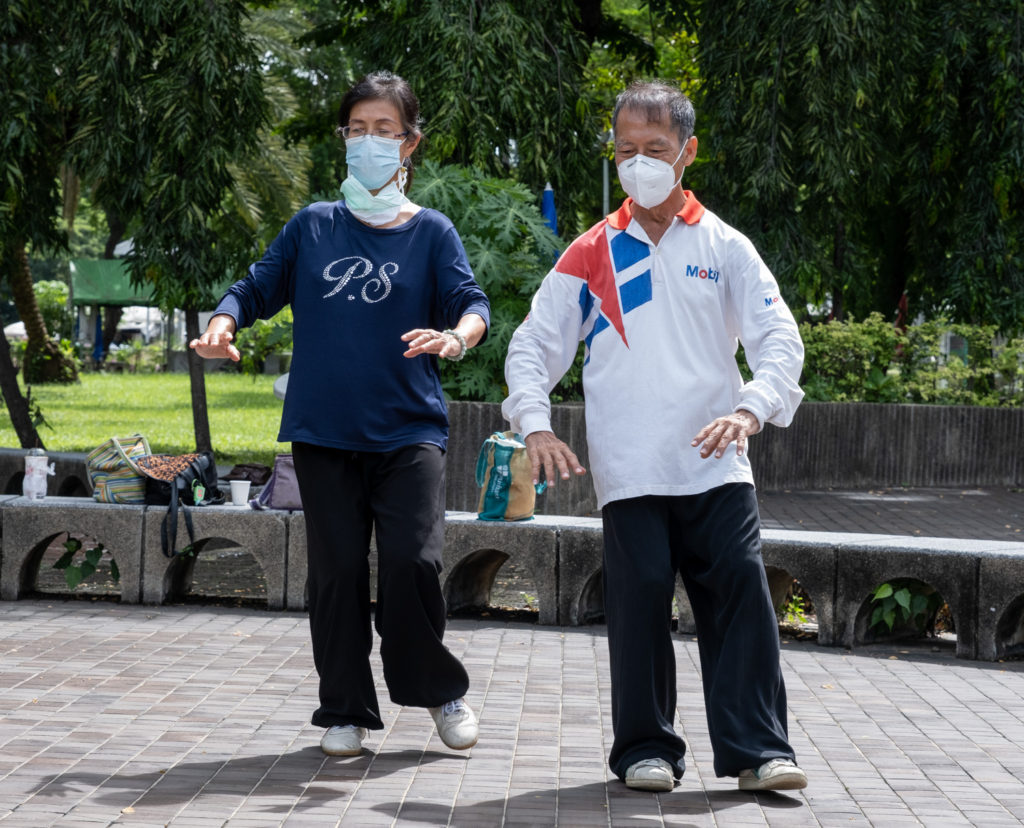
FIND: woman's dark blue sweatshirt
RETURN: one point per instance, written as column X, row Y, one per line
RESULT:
column 354, row 290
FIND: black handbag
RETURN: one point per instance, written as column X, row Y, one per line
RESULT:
column 189, row 479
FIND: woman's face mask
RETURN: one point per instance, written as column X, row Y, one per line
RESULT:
column 378, row 209
column 373, row 160
column 649, row 181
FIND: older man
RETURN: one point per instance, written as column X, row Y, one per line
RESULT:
column 660, row 291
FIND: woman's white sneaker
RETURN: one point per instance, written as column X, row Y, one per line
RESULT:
column 650, row 775
column 456, row 724
column 343, row 740
column 773, row 775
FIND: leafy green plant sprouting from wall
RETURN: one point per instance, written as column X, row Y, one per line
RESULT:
column 75, row 573
column 903, row 602
column 796, row 607
column 795, row 610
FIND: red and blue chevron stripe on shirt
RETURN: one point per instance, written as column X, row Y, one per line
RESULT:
column 613, row 267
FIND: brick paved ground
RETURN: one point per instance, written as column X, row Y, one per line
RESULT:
column 983, row 514
column 197, row 717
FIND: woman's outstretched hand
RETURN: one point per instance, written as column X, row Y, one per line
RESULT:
column 427, row 341
column 215, row 343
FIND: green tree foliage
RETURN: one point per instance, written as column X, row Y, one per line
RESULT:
column 52, row 297
column 171, row 99
column 33, row 124
column 509, row 247
column 150, row 103
column 871, row 148
column 500, row 83
column 198, row 107
column 33, row 121
column 318, row 75
column 639, row 41
column 269, row 183
column 263, row 338
column 848, row 361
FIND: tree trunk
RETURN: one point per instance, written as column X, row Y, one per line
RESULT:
column 111, row 319
column 112, row 315
column 117, row 228
column 838, row 264
column 17, row 404
column 197, row 378
column 44, row 361
column 895, row 262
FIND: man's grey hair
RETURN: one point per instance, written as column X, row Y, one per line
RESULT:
column 655, row 98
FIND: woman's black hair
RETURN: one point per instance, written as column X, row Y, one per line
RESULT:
column 384, row 85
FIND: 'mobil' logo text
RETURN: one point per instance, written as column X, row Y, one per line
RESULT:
column 697, row 272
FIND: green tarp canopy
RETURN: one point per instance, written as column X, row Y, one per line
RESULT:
column 105, row 282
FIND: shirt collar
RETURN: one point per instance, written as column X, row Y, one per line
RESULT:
column 691, row 212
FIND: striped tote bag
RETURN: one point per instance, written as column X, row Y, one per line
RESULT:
column 114, row 473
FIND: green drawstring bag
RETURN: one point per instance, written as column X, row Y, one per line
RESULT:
column 503, row 475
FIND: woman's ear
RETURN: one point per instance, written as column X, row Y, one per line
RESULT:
column 410, row 144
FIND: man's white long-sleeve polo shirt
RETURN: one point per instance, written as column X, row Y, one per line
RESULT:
column 660, row 324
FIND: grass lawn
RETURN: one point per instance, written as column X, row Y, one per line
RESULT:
column 244, row 414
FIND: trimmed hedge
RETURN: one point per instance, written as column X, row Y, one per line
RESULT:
column 872, row 361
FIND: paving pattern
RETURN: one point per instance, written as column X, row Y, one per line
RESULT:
column 982, row 514
column 198, row 717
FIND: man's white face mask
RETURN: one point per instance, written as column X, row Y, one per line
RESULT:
column 649, row 181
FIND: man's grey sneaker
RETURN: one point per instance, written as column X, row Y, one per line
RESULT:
column 456, row 724
column 773, row 775
column 343, row 740
column 650, row 775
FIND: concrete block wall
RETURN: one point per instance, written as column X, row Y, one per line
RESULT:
column 71, row 478
column 864, row 445
column 472, row 423
column 474, row 551
column 829, row 445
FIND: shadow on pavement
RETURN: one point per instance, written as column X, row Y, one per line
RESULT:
column 305, row 779
column 623, row 803
column 304, row 775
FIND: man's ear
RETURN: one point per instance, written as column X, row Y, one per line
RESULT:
column 690, row 150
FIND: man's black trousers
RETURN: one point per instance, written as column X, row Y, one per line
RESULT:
column 713, row 540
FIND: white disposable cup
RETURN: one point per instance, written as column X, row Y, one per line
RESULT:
column 240, row 491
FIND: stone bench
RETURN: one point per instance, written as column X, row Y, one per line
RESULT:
column 263, row 534
column 132, row 535
column 982, row 581
column 29, row 526
column 474, row 552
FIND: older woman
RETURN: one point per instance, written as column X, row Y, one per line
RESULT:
column 380, row 288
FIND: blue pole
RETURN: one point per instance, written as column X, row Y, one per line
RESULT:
column 547, row 208
column 97, row 349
